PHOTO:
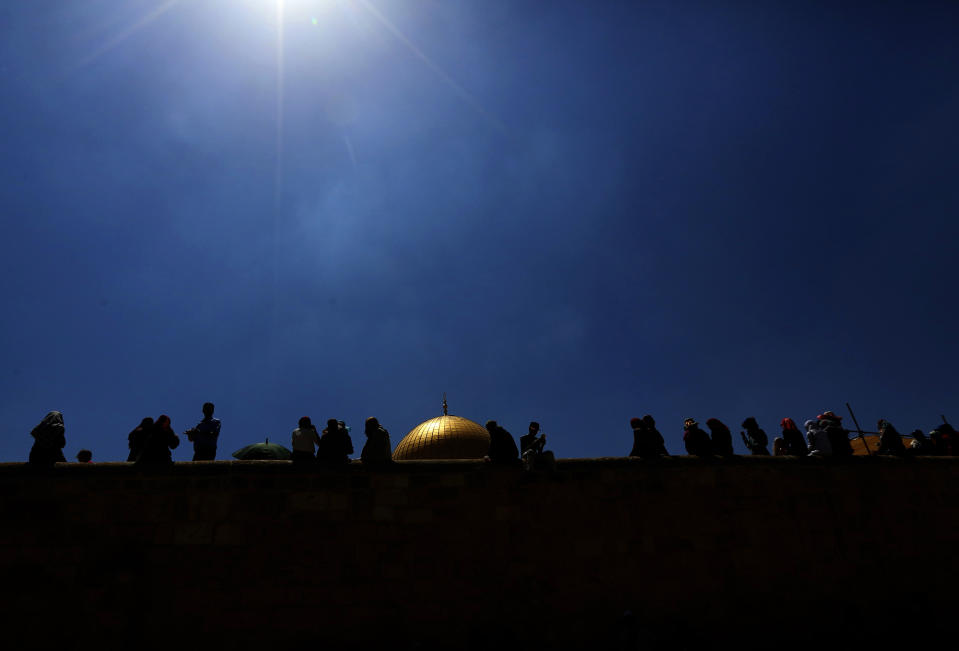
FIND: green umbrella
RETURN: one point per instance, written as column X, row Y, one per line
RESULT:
column 265, row 450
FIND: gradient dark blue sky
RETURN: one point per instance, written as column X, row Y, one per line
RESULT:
column 574, row 212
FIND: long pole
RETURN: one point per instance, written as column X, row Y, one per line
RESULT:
column 859, row 429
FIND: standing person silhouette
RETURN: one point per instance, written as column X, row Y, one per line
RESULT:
column 204, row 435
column 137, row 439
column 159, row 441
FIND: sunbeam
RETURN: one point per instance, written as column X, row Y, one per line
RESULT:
column 277, row 178
column 125, row 34
column 278, row 172
column 418, row 53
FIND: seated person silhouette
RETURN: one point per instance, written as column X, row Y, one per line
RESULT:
column 532, row 453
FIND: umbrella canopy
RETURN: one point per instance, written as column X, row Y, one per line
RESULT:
column 265, row 450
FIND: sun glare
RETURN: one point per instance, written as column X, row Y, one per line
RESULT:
column 297, row 9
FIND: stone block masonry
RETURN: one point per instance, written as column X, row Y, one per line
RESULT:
column 462, row 555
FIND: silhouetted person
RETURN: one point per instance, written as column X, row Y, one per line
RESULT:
column 890, row 442
column 944, row 438
column 721, row 437
column 754, row 437
column 921, row 446
column 819, row 445
column 838, row 437
column 137, row 439
column 345, row 437
column 639, row 438
column 779, row 447
column 204, row 435
column 532, row 452
column 335, row 445
column 795, row 443
column 84, row 456
column 49, row 437
column 696, row 440
column 647, row 441
column 303, row 440
column 532, row 441
column 159, row 442
column 652, row 434
column 377, row 451
column 502, row 447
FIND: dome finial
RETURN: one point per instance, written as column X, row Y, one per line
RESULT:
column 444, row 404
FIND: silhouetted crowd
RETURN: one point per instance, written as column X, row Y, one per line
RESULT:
column 152, row 441
column 824, row 437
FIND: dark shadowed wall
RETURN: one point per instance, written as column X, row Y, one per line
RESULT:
column 464, row 555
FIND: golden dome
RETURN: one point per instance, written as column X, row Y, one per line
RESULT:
column 444, row 437
column 858, row 449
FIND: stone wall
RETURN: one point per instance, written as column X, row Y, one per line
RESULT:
column 465, row 555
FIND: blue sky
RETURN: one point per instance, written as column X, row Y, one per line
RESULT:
column 570, row 212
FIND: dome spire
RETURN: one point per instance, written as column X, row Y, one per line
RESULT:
column 444, row 404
